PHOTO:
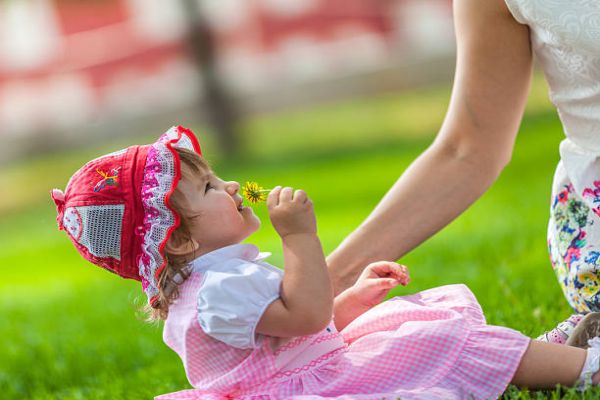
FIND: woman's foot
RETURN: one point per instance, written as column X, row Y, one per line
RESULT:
column 563, row 331
column 587, row 328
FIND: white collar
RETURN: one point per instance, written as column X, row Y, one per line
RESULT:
column 245, row 251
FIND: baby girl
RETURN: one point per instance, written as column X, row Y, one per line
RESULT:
column 247, row 330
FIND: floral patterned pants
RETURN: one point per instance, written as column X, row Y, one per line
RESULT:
column 574, row 236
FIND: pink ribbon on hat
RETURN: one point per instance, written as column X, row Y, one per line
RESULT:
column 59, row 200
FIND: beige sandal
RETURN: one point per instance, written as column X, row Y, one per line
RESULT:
column 588, row 328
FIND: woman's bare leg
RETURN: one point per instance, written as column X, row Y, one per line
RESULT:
column 546, row 364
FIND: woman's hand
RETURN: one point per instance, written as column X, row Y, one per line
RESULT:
column 376, row 280
column 291, row 211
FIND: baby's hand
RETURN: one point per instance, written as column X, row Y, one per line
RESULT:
column 291, row 211
column 377, row 280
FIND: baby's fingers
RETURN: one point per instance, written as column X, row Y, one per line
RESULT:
column 386, row 269
column 286, row 195
column 383, row 283
column 392, row 283
column 401, row 274
column 300, row 196
column 273, row 198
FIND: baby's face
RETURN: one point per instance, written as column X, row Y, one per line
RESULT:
column 215, row 212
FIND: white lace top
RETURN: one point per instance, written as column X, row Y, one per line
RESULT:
column 565, row 37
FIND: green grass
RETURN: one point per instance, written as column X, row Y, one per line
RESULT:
column 70, row 330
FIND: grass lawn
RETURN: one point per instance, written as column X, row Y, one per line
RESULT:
column 70, row 330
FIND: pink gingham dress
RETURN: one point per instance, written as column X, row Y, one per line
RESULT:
column 431, row 345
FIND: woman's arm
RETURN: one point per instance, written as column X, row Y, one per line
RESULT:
column 492, row 78
column 306, row 302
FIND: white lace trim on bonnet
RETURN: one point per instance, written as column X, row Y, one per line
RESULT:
column 159, row 220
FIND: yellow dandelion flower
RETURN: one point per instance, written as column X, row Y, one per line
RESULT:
column 254, row 193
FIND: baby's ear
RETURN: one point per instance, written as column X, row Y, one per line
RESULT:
column 180, row 245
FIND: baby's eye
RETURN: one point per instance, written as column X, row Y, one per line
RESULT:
column 207, row 187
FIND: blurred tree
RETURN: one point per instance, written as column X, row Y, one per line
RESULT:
column 222, row 113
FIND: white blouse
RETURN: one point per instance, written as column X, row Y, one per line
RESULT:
column 237, row 287
column 565, row 37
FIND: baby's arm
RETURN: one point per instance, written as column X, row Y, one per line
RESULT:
column 374, row 283
column 306, row 302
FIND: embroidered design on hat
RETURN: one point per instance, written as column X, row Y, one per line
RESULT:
column 107, row 180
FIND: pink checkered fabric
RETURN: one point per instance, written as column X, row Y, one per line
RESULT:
column 433, row 345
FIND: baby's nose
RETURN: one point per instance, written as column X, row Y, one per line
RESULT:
column 233, row 187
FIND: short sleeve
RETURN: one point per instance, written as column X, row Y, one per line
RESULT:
column 232, row 299
column 514, row 7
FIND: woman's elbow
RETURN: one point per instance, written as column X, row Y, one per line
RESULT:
column 498, row 163
column 487, row 159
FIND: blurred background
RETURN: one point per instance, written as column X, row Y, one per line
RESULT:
column 75, row 72
column 333, row 96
